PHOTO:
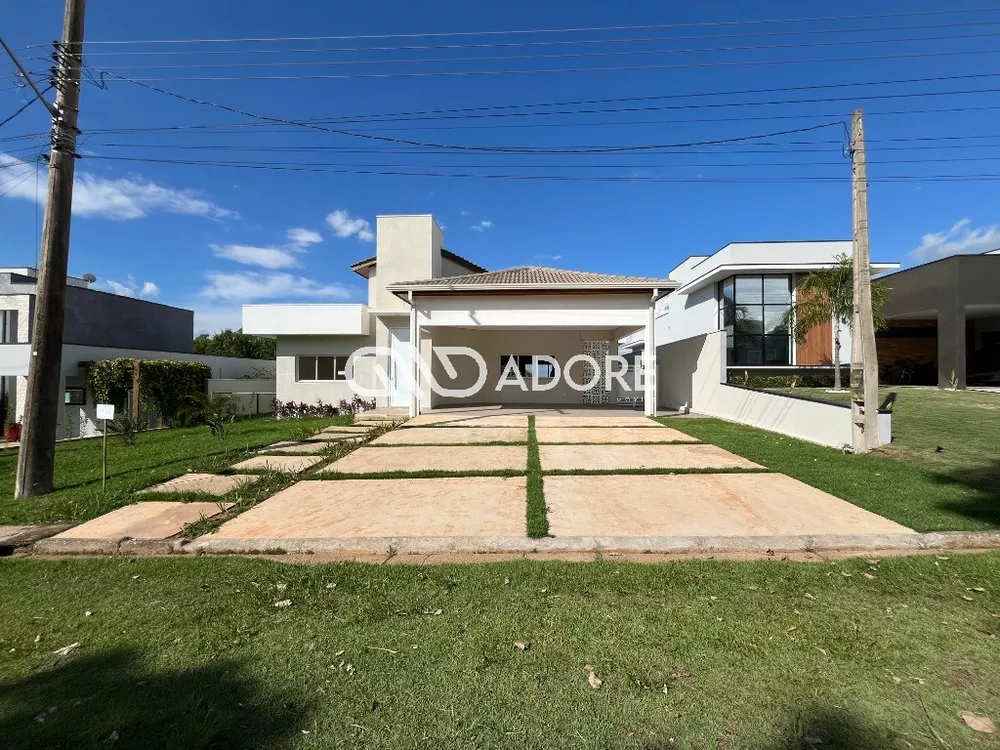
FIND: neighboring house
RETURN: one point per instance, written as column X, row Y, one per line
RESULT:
column 419, row 292
column 98, row 326
column 944, row 320
column 745, row 289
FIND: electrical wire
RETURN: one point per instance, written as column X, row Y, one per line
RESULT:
column 542, row 43
column 560, row 56
column 577, row 30
column 483, row 149
column 590, row 69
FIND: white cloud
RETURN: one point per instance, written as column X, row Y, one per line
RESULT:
column 249, row 286
column 265, row 257
column 122, row 199
column 482, row 226
column 962, row 238
column 212, row 318
column 299, row 238
column 546, row 257
column 466, row 213
column 344, row 226
column 129, row 287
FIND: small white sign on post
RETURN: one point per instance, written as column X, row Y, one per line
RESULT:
column 105, row 412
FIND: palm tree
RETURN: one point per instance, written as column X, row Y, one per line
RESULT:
column 217, row 410
column 826, row 295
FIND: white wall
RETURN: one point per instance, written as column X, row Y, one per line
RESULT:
column 306, row 319
column 288, row 388
column 687, row 315
column 692, row 375
column 250, row 395
column 572, row 311
column 408, row 248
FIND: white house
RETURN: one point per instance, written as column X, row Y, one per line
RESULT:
column 537, row 322
column 98, row 326
column 419, row 292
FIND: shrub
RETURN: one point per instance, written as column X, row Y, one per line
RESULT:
column 810, row 380
column 127, row 428
column 216, row 410
column 163, row 385
column 355, row 405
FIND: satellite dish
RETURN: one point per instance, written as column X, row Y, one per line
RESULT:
column 89, row 278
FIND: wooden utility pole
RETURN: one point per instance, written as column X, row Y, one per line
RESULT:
column 36, row 458
column 864, row 358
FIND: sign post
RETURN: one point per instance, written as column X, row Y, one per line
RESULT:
column 105, row 412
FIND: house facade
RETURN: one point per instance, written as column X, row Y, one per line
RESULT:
column 530, row 327
column 98, row 326
column 744, row 290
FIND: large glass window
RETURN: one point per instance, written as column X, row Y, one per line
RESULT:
column 751, row 312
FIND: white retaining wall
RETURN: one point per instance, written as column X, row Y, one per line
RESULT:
column 692, row 376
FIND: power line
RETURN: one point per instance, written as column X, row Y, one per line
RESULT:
column 591, row 69
column 484, row 149
column 569, row 178
column 541, row 43
column 559, row 56
column 20, row 110
column 578, row 30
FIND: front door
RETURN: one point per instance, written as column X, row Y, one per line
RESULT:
column 399, row 367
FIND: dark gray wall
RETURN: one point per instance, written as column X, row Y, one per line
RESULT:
column 960, row 279
column 101, row 319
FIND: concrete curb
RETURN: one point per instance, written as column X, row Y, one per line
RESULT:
column 122, row 546
column 671, row 544
column 29, row 535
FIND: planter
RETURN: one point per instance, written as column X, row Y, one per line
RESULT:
column 12, row 432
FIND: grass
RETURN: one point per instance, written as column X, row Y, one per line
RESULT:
column 537, row 513
column 192, row 652
column 956, row 488
column 158, row 456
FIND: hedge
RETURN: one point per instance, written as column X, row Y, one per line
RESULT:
column 163, row 385
column 815, row 380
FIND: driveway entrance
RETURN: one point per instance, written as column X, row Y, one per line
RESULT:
column 463, row 477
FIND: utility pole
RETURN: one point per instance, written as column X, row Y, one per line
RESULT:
column 864, row 357
column 36, row 458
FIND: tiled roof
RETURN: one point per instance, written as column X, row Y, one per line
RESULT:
column 361, row 265
column 536, row 276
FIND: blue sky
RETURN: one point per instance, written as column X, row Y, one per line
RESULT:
column 213, row 237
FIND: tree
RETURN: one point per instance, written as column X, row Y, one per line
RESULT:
column 229, row 343
column 217, row 410
column 828, row 295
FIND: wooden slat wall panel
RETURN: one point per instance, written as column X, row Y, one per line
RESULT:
column 818, row 346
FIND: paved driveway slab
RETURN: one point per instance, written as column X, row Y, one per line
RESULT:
column 291, row 464
column 471, row 506
column 609, row 435
column 616, row 457
column 210, row 484
column 555, row 420
column 454, row 435
column 467, row 420
column 448, row 458
column 154, row 519
column 701, row 505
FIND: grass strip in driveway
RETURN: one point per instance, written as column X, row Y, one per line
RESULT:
column 655, row 470
column 537, row 512
column 910, row 492
column 193, row 653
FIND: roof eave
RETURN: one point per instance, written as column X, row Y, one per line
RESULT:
column 404, row 288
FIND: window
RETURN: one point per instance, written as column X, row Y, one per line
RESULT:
column 525, row 367
column 322, row 368
column 76, row 397
column 751, row 312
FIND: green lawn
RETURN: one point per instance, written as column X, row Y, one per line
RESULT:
column 192, row 653
column 910, row 481
column 158, row 456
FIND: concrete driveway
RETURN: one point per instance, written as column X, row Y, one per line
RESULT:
column 459, row 476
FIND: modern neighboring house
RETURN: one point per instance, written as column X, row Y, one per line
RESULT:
column 944, row 321
column 745, row 289
column 422, row 293
column 98, row 326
